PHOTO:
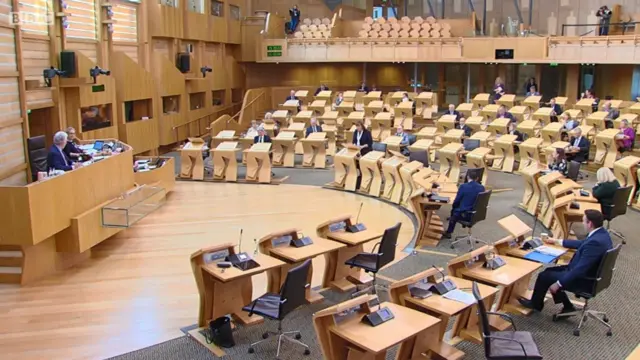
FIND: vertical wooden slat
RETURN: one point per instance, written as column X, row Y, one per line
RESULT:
column 22, row 87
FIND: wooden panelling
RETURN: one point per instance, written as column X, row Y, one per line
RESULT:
column 39, row 98
column 163, row 46
column 614, row 80
column 125, row 28
column 194, row 26
column 130, row 49
column 82, row 19
column 9, row 101
column 34, row 14
column 35, row 57
column 87, row 47
column 165, row 21
column 11, row 147
column 8, row 50
column 213, row 56
column 218, row 28
column 17, row 179
column 263, row 75
column 5, row 8
column 308, row 8
column 141, row 134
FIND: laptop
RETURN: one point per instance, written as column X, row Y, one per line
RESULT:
column 98, row 145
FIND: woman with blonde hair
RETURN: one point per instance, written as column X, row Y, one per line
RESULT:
column 498, row 89
column 605, row 189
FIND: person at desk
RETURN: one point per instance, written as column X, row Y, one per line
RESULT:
column 362, row 138
column 626, row 138
column 452, row 111
column 322, row 87
column 72, row 151
column 464, row 127
column 533, row 91
column 292, row 96
column 57, row 159
column 513, row 131
column 555, row 110
column 339, row 99
column 313, row 127
column 558, row 161
column 612, row 114
column 529, row 83
column 363, row 88
column 404, row 143
column 262, row 137
column 605, row 189
column 374, row 88
column 588, row 94
column 405, row 97
column 503, row 113
column 498, row 89
column 575, row 275
column 579, row 146
column 464, row 202
column 569, row 123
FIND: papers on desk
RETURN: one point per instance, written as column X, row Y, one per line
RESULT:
column 551, row 250
column 545, row 254
column 460, row 296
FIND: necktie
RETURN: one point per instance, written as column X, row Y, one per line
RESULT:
column 576, row 142
column 63, row 157
column 314, row 129
column 261, row 139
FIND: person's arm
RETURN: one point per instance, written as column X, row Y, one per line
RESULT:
column 58, row 163
column 583, row 145
column 457, row 200
column 369, row 143
column 591, row 255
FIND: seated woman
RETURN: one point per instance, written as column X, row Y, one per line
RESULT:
column 626, row 138
column 253, row 130
column 605, row 189
column 71, row 148
column 558, row 162
column 362, row 138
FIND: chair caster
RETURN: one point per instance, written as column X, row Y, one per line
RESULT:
column 453, row 247
column 307, row 351
column 298, row 336
column 265, row 335
column 555, row 318
column 609, row 333
column 605, row 319
column 576, row 332
column 251, row 351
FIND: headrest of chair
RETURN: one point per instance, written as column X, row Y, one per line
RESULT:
column 35, row 143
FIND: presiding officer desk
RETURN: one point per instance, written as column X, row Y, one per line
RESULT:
column 55, row 222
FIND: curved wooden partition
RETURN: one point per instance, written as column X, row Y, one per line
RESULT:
column 171, row 88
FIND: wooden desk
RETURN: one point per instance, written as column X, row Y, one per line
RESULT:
column 278, row 245
column 452, row 136
column 345, row 108
column 543, row 115
column 484, row 137
column 299, row 129
column 466, row 325
column 585, row 106
column 318, row 106
column 324, row 95
column 508, row 100
column 626, row 171
column 303, row 117
column 393, row 143
column 282, row 117
column 191, row 162
column 373, row 108
column 347, row 337
column 224, row 135
column 226, row 291
column 225, row 165
column 521, row 113
column 532, row 102
column 531, row 197
column 513, row 277
column 314, row 147
column 606, row 147
column 330, row 126
column 529, row 153
column 370, row 168
column 481, row 100
column 284, row 149
column 381, row 126
column 371, row 96
column 349, row 124
column 246, row 143
column 597, row 120
column 478, row 159
column 564, row 215
column 303, row 95
column 163, row 176
column 529, row 128
column 450, row 161
column 546, row 183
column 259, row 163
column 291, row 106
column 404, row 110
column 349, row 95
column 504, row 154
column 424, row 145
column 499, row 127
column 445, row 123
column 407, row 171
column 338, row 275
column 466, row 109
column 489, row 112
column 551, row 133
column 430, row 227
column 345, row 168
column 392, row 181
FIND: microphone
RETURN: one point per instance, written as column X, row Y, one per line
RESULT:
column 357, row 227
column 441, row 273
column 443, row 286
column 240, row 257
column 240, row 241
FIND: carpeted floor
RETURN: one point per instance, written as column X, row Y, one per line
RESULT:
column 555, row 340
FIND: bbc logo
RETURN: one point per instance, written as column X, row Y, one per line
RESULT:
column 30, row 18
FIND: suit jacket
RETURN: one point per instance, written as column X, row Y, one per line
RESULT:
column 584, row 145
column 466, row 198
column 266, row 139
column 366, row 139
column 455, row 112
column 518, row 134
column 310, row 130
column 557, row 109
column 604, row 193
column 585, row 262
column 71, row 148
column 56, row 159
column 291, row 98
column 466, row 129
column 365, row 89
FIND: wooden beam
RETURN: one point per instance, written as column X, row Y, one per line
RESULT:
column 14, row 170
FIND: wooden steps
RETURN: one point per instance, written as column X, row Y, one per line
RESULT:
column 11, row 261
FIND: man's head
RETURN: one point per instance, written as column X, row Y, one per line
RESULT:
column 552, row 101
column 532, row 89
column 592, row 220
column 313, row 121
column 399, row 129
column 60, row 139
column 577, row 132
column 472, row 176
column 452, row 107
column 71, row 133
column 502, row 110
column 292, row 93
column 268, row 116
column 261, row 130
column 462, row 121
column 565, row 117
column 340, row 94
column 606, row 106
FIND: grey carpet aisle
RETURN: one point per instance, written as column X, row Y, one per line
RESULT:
column 555, row 340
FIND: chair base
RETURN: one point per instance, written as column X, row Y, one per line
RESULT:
column 281, row 336
column 470, row 240
column 584, row 313
column 616, row 233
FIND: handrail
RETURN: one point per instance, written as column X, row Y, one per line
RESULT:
column 624, row 26
column 265, row 31
column 198, row 119
column 246, row 106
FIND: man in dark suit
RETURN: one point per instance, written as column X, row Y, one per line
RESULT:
column 580, row 144
column 557, row 110
column 322, row 87
column 452, row 111
column 57, row 159
column 464, row 202
column 503, row 113
column 362, row 138
column 262, row 137
column 313, row 127
column 363, row 87
column 292, row 96
column 583, row 265
column 464, row 127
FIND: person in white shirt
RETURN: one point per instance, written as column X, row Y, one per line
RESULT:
column 313, row 127
column 253, row 130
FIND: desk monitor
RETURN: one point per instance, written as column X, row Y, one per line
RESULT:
column 471, row 144
column 98, row 145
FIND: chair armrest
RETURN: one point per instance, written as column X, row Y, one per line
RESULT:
column 504, row 338
column 504, row 316
column 264, row 300
column 374, row 247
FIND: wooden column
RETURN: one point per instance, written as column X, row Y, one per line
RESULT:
column 572, row 81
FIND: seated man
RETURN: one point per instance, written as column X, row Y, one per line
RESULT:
column 363, row 88
column 262, row 137
column 612, row 114
column 322, row 87
column 464, row 202
column 252, row 132
column 579, row 148
column 292, row 96
column 462, row 126
column 57, row 159
column 583, row 265
column 452, row 111
column 502, row 113
column 557, row 110
column 313, row 127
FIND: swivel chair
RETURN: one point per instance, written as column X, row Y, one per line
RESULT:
column 478, row 214
column 37, row 155
column 374, row 261
column 504, row 345
column 378, row 146
column 618, row 208
column 421, row 156
column 278, row 306
column 574, row 170
column 600, row 282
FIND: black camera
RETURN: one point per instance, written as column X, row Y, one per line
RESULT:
column 49, row 74
column 96, row 71
column 204, row 70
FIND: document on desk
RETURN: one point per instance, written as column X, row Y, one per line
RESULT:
column 460, row 296
column 550, row 250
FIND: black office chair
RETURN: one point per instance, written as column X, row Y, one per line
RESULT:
column 419, row 155
column 504, row 345
column 374, row 261
column 476, row 215
column 378, row 146
column 37, row 155
column 412, row 139
column 277, row 306
column 573, row 170
column 471, row 144
column 600, row 282
column 618, row 208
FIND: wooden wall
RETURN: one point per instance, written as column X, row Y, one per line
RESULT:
column 614, row 80
column 308, row 8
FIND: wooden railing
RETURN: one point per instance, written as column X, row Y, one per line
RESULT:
column 203, row 118
column 255, row 103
